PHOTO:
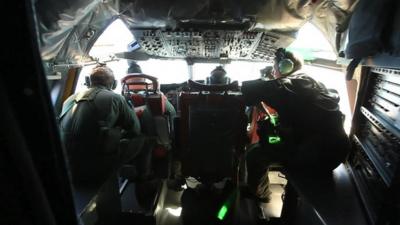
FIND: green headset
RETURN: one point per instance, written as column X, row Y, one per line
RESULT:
column 285, row 65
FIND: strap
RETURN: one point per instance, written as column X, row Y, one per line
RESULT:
column 88, row 95
column 66, row 109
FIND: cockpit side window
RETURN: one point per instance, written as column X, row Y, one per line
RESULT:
column 113, row 40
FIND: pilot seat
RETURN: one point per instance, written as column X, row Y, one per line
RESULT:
column 212, row 131
column 155, row 113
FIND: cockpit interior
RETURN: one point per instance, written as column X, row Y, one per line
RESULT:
column 169, row 141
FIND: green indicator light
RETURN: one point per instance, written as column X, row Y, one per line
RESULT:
column 222, row 212
column 274, row 120
column 274, row 139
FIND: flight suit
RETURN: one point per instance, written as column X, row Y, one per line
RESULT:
column 311, row 129
column 92, row 123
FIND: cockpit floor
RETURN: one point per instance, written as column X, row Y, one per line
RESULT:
column 202, row 205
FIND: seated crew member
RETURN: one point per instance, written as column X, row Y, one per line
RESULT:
column 92, row 123
column 133, row 67
column 218, row 76
column 309, row 136
column 169, row 108
column 147, row 127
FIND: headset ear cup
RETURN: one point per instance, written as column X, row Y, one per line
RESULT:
column 114, row 84
column 286, row 66
column 87, row 81
column 208, row 80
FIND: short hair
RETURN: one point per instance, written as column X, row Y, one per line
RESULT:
column 101, row 75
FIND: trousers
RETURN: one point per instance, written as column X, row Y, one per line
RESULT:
column 316, row 153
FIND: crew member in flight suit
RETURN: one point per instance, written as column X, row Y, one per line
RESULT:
column 135, row 68
column 218, row 76
column 92, row 123
column 308, row 135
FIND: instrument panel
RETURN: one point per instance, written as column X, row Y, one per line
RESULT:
column 211, row 44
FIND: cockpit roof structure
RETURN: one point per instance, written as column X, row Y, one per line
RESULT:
column 186, row 29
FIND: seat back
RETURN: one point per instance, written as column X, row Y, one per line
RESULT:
column 142, row 89
column 150, row 106
column 213, row 132
column 136, row 82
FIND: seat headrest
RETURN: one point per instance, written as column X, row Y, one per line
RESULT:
column 135, row 83
column 140, row 82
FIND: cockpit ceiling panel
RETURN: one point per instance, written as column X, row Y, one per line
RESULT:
column 211, row 44
column 68, row 28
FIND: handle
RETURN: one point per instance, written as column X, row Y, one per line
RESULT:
column 154, row 81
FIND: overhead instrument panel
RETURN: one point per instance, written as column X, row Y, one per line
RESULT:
column 211, row 44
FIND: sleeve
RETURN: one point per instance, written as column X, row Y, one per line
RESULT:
column 170, row 108
column 304, row 86
column 255, row 91
column 127, row 118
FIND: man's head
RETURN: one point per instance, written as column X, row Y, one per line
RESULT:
column 101, row 75
column 134, row 67
column 218, row 76
column 285, row 63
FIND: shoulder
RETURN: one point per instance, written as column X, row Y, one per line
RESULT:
column 70, row 99
column 117, row 99
column 108, row 97
column 302, row 77
column 108, row 94
column 302, row 81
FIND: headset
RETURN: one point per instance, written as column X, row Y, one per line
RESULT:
column 223, row 79
column 88, row 83
column 114, row 84
column 285, row 65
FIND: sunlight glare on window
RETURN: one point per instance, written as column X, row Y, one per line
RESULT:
column 310, row 43
column 167, row 71
column 114, row 39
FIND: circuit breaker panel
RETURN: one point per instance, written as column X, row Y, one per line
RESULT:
column 374, row 161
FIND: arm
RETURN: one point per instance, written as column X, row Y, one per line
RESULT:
column 255, row 91
column 170, row 109
column 128, row 119
column 281, row 92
